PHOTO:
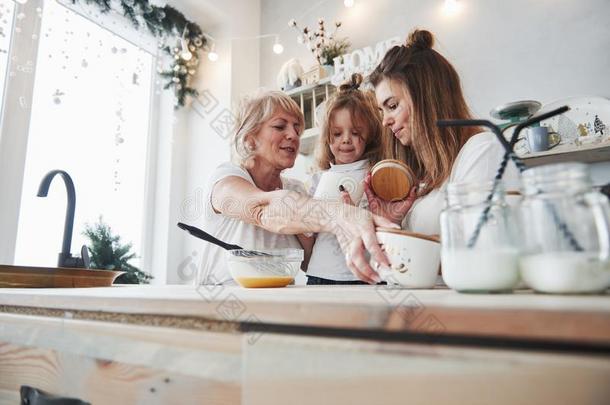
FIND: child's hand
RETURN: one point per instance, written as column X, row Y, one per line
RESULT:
column 394, row 211
column 307, row 241
column 345, row 197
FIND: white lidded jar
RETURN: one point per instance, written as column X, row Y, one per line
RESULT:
column 479, row 249
column 566, row 231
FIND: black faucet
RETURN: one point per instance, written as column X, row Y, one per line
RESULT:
column 65, row 258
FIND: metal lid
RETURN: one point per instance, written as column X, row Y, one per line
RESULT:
column 391, row 180
column 515, row 110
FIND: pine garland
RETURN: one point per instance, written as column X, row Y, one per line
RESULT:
column 165, row 22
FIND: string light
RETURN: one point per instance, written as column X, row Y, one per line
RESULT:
column 277, row 47
column 212, row 55
column 185, row 53
column 451, row 7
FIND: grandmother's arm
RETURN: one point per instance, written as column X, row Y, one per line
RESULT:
column 288, row 212
column 280, row 211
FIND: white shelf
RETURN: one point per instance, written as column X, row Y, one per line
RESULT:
column 308, row 87
column 309, row 98
column 581, row 140
column 309, row 138
column 570, row 153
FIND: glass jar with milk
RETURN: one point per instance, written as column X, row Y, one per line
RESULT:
column 566, row 231
column 479, row 235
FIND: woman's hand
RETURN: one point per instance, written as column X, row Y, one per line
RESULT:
column 394, row 211
column 355, row 231
column 290, row 213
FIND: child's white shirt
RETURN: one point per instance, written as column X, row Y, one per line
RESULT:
column 327, row 259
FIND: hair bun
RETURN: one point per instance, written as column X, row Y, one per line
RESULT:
column 353, row 84
column 420, row 39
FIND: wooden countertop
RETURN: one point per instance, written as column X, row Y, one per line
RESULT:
column 370, row 309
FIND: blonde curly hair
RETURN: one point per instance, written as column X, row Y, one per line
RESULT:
column 252, row 112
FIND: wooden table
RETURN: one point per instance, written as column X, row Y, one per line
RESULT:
column 315, row 344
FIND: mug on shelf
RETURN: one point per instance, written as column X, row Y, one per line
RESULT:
column 537, row 139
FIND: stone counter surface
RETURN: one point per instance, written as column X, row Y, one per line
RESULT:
column 362, row 309
column 354, row 344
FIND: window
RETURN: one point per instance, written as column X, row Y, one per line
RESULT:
column 7, row 8
column 90, row 117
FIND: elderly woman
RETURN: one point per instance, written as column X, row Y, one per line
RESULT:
column 249, row 203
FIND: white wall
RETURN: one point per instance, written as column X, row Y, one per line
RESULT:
column 503, row 50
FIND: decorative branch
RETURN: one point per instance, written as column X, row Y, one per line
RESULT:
column 323, row 47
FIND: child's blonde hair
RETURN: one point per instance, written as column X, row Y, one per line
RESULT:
column 363, row 109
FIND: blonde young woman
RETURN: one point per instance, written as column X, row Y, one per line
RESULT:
column 249, row 203
column 415, row 86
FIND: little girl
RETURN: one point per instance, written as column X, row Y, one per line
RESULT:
column 350, row 141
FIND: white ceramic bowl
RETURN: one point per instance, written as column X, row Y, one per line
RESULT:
column 277, row 270
column 414, row 258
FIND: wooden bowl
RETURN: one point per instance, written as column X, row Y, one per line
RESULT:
column 54, row 277
column 392, row 180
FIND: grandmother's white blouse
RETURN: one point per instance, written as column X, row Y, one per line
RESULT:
column 213, row 268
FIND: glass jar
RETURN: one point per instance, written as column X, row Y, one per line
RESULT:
column 566, row 231
column 479, row 237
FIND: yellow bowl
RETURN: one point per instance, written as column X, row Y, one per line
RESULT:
column 276, row 270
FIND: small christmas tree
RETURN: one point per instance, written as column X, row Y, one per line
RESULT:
column 107, row 253
column 598, row 125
